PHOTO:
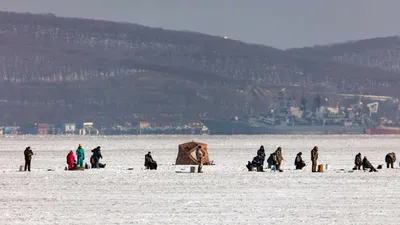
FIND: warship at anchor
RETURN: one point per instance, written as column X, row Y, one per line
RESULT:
column 288, row 119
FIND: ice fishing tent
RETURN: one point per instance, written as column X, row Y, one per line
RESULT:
column 187, row 154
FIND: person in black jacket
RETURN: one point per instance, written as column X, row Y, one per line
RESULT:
column 298, row 162
column 358, row 162
column 149, row 163
column 271, row 160
column 261, row 154
column 255, row 163
column 95, row 158
column 28, row 157
column 367, row 165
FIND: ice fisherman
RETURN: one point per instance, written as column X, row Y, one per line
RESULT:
column 95, row 158
column 80, row 156
column 298, row 162
column 149, row 162
column 199, row 157
column 279, row 159
column 367, row 165
column 261, row 154
column 390, row 159
column 71, row 160
column 28, row 157
column 257, row 162
column 271, row 160
column 358, row 162
column 314, row 158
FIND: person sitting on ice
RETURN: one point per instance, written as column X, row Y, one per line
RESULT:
column 257, row 163
column 149, row 163
column 95, row 158
column 271, row 160
column 367, row 165
column 298, row 162
column 71, row 160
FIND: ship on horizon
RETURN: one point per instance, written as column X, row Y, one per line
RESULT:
column 287, row 119
column 244, row 127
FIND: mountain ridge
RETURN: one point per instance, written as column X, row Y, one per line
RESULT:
column 56, row 69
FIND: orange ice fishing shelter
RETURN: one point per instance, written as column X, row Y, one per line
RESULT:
column 187, row 153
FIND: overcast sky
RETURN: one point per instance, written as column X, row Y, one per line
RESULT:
column 277, row 23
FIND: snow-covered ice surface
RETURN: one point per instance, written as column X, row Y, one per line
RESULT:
column 224, row 194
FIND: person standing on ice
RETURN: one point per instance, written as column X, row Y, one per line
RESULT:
column 261, row 154
column 80, row 156
column 71, row 160
column 314, row 158
column 390, row 159
column 28, row 157
column 279, row 159
column 199, row 157
column 358, row 162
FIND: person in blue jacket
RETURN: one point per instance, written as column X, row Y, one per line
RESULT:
column 80, row 156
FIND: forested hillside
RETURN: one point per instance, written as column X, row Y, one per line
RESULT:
column 56, row 69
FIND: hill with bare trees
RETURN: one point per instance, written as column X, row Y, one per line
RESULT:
column 383, row 53
column 55, row 69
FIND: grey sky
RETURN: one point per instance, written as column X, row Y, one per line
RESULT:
column 277, row 23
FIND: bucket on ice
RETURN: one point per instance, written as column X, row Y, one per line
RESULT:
column 321, row 168
column 326, row 166
column 192, row 169
column 20, row 168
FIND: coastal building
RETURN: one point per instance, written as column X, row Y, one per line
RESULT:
column 13, row 130
column 144, row 125
column 42, row 128
column 88, row 129
column 52, row 129
column 68, row 128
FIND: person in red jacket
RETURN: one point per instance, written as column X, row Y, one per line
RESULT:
column 71, row 160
